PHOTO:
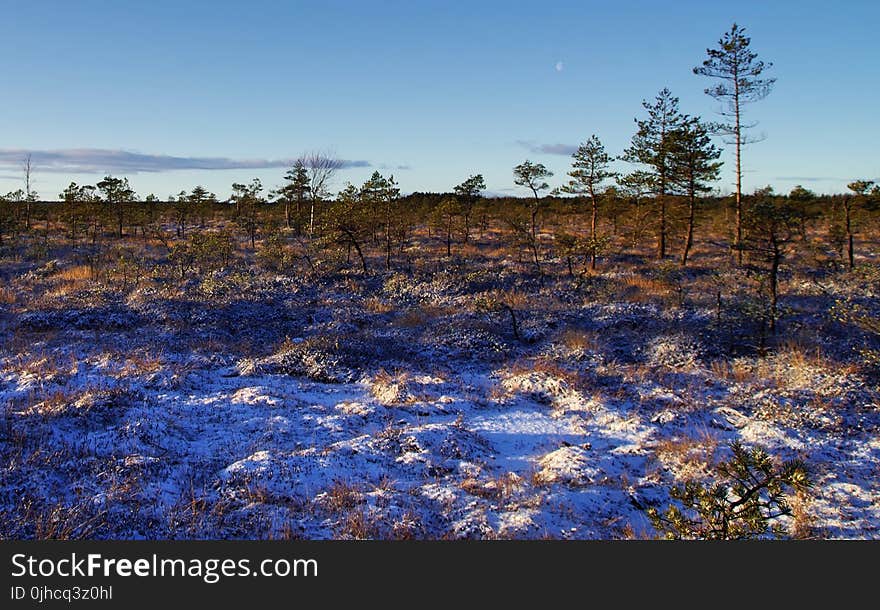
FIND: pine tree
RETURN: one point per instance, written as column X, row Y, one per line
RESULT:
column 532, row 176
column 745, row 501
column 590, row 168
column 443, row 218
column 247, row 199
column 295, row 192
column 770, row 228
column 75, row 197
column 383, row 196
column 860, row 188
column 652, row 147
column 347, row 223
column 695, row 165
column 117, row 193
column 468, row 193
column 740, row 73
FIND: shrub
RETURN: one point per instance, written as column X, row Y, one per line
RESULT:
column 848, row 311
column 274, row 254
column 746, row 500
column 212, row 251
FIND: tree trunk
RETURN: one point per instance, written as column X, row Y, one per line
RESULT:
column 360, row 254
column 593, row 224
column 739, row 210
column 774, row 283
column 661, row 238
column 689, row 239
column 849, row 238
column 513, row 323
column 534, row 226
column 534, row 247
column 388, row 250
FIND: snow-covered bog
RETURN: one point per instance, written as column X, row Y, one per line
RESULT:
column 389, row 407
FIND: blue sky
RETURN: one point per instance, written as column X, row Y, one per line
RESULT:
column 429, row 91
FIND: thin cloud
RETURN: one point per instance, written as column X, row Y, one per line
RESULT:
column 548, row 149
column 99, row 160
column 559, row 67
column 806, row 178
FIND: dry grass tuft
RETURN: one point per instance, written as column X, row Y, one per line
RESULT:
column 377, row 305
column 638, row 288
column 499, row 489
column 690, row 457
column 803, row 525
column 342, row 496
column 579, row 340
column 736, row 371
column 77, row 273
column 412, row 318
column 391, row 389
column 7, row 296
column 408, row 527
column 359, row 524
column 59, row 522
column 71, row 280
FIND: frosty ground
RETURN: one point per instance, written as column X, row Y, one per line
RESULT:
column 402, row 405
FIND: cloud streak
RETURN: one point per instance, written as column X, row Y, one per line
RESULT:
column 807, row 178
column 100, row 160
column 548, row 149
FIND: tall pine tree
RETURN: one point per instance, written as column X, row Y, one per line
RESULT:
column 652, row 147
column 740, row 72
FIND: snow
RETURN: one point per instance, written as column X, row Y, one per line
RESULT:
column 449, row 429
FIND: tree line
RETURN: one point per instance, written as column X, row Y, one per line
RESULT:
column 675, row 165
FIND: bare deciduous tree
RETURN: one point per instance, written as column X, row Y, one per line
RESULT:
column 321, row 167
column 29, row 194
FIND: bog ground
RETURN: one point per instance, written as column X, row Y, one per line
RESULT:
column 451, row 397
